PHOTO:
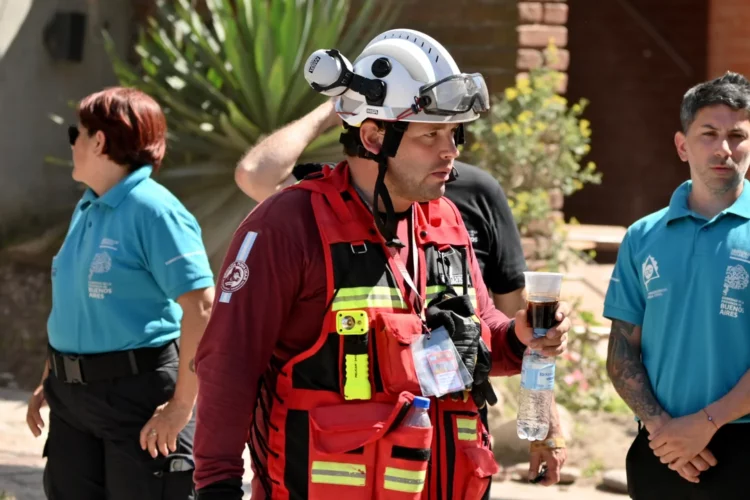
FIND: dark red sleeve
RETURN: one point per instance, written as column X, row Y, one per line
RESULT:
column 504, row 360
column 236, row 348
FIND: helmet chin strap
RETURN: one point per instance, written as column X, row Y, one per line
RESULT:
column 458, row 138
column 394, row 132
column 386, row 225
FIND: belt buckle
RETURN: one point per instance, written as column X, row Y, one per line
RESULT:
column 72, row 367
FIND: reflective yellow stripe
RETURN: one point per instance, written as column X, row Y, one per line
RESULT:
column 409, row 481
column 467, row 429
column 366, row 290
column 432, row 291
column 338, row 473
column 363, row 297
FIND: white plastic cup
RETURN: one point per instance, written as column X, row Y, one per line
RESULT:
column 543, row 287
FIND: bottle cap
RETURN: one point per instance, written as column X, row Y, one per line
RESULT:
column 421, row 402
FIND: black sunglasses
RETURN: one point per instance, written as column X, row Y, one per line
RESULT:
column 73, row 134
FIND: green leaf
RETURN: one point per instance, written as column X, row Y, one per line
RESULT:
column 239, row 142
column 275, row 91
column 245, row 126
column 244, row 69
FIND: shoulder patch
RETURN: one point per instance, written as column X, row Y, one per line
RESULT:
column 237, row 273
column 235, row 276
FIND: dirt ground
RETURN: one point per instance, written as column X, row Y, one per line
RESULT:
column 600, row 442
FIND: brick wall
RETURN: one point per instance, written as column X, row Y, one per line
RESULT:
column 728, row 42
column 539, row 23
column 635, row 85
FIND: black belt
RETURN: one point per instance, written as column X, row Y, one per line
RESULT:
column 88, row 368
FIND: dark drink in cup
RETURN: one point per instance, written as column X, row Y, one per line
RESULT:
column 540, row 314
column 542, row 296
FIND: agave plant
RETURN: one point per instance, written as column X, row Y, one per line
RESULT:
column 227, row 75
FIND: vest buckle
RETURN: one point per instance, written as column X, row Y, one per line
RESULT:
column 359, row 248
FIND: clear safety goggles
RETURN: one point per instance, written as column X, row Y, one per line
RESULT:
column 455, row 94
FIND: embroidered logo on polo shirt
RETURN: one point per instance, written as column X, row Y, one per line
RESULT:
column 736, row 278
column 101, row 264
column 650, row 270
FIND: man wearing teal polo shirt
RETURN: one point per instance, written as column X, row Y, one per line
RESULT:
column 679, row 300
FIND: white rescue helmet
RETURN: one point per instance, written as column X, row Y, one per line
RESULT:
column 401, row 75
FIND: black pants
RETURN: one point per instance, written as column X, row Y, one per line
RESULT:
column 649, row 479
column 93, row 450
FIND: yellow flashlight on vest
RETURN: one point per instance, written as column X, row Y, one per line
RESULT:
column 354, row 327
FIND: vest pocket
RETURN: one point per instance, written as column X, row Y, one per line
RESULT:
column 395, row 334
column 403, row 459
column 473, row 463
column 359, row 451
column 342, row 463
column 343, row 448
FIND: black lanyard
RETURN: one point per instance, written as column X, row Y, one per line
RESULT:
column 415, row 298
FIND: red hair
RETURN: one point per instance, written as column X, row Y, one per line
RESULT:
column 132, row 122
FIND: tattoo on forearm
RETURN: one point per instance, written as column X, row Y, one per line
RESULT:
column 191, row 365
column 628, row 374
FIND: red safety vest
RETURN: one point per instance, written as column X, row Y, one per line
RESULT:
column 332, row 415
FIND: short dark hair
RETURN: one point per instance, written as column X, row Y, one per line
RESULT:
column 731, row 89
column 133, row 124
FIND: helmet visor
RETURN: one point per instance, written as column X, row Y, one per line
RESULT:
column 455, row 94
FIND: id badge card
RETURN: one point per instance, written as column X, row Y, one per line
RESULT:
column 439, row 368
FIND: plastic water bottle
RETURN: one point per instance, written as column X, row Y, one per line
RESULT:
column 537, row 387
column 418, row 415
column 538, row 371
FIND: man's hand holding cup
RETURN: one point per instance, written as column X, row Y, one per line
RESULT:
column 544, row 324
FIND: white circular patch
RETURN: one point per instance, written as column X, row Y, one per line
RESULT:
column 235, row 276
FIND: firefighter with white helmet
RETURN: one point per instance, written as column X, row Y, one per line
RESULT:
column 363, row 307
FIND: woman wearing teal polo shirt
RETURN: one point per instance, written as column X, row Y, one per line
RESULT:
column 131, row 295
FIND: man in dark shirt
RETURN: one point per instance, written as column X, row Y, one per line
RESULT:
column 270, row 166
